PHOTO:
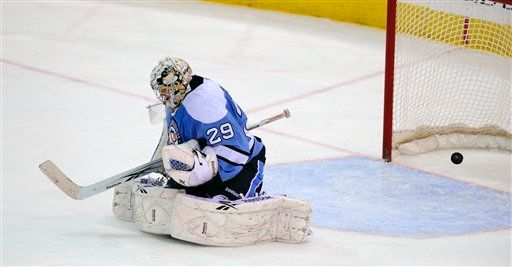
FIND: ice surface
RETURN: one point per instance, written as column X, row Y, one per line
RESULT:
column 75, row 84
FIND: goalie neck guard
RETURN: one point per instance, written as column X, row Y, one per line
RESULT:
column 170, row 81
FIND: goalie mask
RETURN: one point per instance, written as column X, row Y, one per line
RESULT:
column 170, row 79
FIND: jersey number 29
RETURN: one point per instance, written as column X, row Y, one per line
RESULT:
column 226, row 132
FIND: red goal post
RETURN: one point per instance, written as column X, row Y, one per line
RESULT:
column 448, row 76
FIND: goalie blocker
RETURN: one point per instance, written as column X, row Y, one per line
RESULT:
column 214, row 222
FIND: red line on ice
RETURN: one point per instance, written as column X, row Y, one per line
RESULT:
column 70, row 78
column 319, row 91
column 353, row 153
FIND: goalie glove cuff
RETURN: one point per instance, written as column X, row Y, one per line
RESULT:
column 204, row 166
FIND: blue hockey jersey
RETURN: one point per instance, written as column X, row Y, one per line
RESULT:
column 209, row 115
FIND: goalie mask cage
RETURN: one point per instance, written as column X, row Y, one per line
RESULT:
column 448, row 75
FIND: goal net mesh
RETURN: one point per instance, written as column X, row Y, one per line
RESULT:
column 452, row 72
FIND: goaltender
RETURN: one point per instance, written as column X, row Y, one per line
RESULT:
column 210, row 189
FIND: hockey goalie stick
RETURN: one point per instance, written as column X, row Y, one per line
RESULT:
column 82, row 192
column 284, row 114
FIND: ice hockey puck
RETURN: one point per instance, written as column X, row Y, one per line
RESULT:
column 457, row 158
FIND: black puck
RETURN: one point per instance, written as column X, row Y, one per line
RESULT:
column 457, row 158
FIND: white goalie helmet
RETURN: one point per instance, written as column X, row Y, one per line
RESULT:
column 170, row 79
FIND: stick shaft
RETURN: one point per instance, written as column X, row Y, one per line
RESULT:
column 284, row 114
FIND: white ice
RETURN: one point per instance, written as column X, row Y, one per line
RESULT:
column 74, row 84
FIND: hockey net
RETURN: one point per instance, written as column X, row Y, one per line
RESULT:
column 448, row 75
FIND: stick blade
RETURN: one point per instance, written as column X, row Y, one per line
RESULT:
column 60, row 179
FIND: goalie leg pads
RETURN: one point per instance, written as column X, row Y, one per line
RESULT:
column 123, row 202
column 220, row 222
column 153, row 208
column 241, row 222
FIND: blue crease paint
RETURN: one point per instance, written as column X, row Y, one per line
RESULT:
column 364, row 195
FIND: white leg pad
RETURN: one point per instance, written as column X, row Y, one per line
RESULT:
column 153, row 208
column 294, row 220
column 122, row 204
column 242, row 222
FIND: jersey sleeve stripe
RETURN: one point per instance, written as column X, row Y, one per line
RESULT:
column 238, row 150
column 230, row 154
column 229, row 162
